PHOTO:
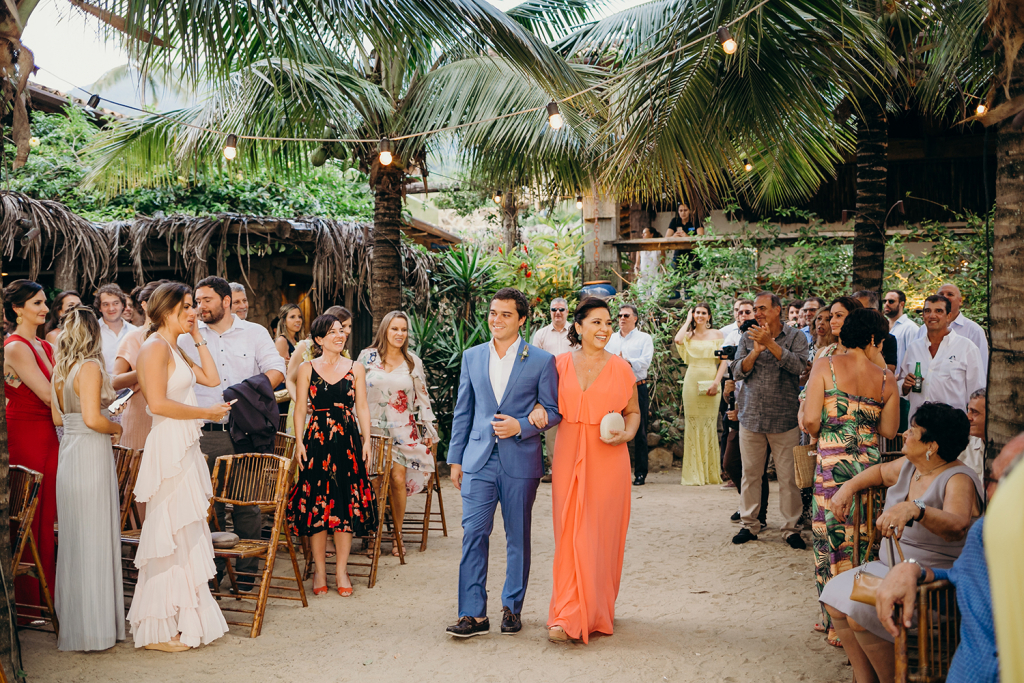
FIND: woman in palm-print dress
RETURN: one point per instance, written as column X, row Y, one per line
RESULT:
column 848, row 425
column 332, row 494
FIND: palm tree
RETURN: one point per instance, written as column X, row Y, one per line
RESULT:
column 152, row 83
column 311, row 69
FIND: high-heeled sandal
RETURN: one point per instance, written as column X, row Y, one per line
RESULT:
column 322, row 590
column 557, row 634
column 346, row 591
column 169, row 646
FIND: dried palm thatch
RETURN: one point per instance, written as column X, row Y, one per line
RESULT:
column 340, row 253
column 91, row 248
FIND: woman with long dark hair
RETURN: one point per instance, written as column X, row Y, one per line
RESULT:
column 396, row 390
column 306, row 350
column 173, row 609
column 61, row 304
column 31, row 436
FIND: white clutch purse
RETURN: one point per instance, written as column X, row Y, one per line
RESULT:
column 704, row 385
column 610, row 422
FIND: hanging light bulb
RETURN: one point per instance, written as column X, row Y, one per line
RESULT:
column 230, row 147
column 94, row 101
column 385, row 152
column 980, row 111
column 747, row 166
column 727, row 41
column 579, row 201
column 497, row 197
column 555, row 119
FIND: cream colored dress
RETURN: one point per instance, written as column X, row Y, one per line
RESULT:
column 700, row 438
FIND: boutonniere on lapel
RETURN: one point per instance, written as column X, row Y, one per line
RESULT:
column 525, row 353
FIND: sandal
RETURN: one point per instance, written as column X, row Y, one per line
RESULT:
column 557, row 634
column 819, row 628
column 832, row 639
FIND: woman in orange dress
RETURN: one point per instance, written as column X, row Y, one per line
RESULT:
column 590, row 478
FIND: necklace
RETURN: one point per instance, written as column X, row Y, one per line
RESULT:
column 588, row 365
column 919, row 473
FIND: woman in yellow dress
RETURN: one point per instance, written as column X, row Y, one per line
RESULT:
column 697, row 342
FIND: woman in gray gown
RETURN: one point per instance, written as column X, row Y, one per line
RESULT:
column 89, row 596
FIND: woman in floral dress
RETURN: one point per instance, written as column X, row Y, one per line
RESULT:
column 333, row 493
column 397, row 393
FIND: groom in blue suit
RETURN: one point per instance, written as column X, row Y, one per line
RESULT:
column 495, row 457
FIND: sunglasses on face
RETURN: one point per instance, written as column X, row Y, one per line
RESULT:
column 625, row 315
column 892, row 301
column 558, row 310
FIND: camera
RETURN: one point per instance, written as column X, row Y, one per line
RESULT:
column 726, row 353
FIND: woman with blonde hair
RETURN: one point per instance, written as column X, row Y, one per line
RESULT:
column 173, row 609
column 89, row 593
column 396, row 389
column 289, row 326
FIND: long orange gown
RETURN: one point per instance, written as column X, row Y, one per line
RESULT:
column 590, row 492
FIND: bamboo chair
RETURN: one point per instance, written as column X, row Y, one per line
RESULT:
column 127, row 462
column 923, row 654
column 24, row 485
column 256, row 479
column 871, row 501
column 415, row 523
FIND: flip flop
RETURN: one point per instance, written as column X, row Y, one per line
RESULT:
column 819, row 628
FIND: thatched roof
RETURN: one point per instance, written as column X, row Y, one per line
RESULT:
column 339, row 249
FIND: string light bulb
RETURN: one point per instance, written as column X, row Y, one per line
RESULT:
column 555, row 119
column 384, row 147
column 579, row 201
column 231, row 147
column 94, row 101
column 980, row 111
column 747, row 166
column 497, row 197
column 727, row 41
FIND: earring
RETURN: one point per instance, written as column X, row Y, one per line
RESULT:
column 18, row 320
column 928, row 455
column 707, row 325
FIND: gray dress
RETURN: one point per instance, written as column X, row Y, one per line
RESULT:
column 917, row 542
column 89, row 595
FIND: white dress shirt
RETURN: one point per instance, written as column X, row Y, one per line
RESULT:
column 245, row 349
column 500, row 369
column 729, row 329
column 950, row 377
column 905, row 331
column 551, row 340
column 636, row 348
column 966, row 327
column 111, row 340
column 974, row 456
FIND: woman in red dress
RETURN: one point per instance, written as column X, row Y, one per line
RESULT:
column 31, row 436
column 590, row 478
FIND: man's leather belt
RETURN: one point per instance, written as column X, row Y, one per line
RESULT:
column 215, row 427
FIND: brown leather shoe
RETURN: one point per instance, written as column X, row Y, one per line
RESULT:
column 510, row 623
column 469, row 627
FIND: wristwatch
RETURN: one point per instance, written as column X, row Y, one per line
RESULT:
column 204, row 342
column 924, row 572
column 920, row 504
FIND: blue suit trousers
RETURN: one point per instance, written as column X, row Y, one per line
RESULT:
column 481, row 492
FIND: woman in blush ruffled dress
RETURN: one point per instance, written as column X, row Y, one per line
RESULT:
column 396, row 389
column 173, row 609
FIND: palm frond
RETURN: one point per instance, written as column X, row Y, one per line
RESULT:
column 553, row 19
column 957, row 73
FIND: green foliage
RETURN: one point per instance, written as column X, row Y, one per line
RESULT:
column 57, row 166
column 464, row 202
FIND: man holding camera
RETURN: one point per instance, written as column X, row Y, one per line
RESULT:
column 769, row 359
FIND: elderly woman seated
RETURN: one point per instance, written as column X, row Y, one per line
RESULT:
column 932, row 500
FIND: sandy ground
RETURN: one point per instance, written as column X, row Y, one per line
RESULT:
column 692, row 607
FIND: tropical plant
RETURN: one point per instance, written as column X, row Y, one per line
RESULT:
column 350, row 76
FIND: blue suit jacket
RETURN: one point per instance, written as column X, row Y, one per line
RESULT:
column 534, row 379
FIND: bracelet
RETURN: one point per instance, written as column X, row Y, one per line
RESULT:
column 923, row 572
column 202, row 343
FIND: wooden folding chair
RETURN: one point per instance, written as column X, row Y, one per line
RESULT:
column 284, row 445
column 256, row 479
column 422, row 524
column 923, row 654
column 25, row 485
column 871, row 501
column 127, row 462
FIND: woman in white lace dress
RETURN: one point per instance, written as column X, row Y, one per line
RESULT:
column 173, row 609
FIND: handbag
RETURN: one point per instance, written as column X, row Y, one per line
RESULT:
column 865, row 586
column 805, row 460
column 612, row 421
column 705, row 384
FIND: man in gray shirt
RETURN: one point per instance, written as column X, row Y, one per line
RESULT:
column 769, row 359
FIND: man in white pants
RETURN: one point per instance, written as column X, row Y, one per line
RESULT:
column 769, row 360
column 554, row 339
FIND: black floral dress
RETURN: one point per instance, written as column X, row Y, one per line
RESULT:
column 332, row 492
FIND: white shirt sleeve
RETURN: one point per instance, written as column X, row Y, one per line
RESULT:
column 975, row 370
column 641, row 364
column 267, row 356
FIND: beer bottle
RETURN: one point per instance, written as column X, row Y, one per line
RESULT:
column 918, row 380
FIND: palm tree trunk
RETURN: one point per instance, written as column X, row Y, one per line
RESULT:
column 510, row 222
column 1006, row 304
column 386, row 263
column 9, row 659
column 872, row 177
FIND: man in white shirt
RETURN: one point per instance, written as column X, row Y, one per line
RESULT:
column 974, row 455
column 900, row 324
column 241, row 350
column 637, row 349
column 963, row 325
column 554, row 339
column 239, row 300
column 742, row 311
column 950, row 364
column 109, row 303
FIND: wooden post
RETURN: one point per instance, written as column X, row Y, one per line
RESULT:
column 601, row 225
column 65, row 269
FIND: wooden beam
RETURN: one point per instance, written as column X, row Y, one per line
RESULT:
column 686, row 243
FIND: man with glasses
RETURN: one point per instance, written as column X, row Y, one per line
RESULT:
column 974, row 455
column 637, row 349
column 900, row 324
column 809, row 311
column 554, row 339
column 742, row 311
